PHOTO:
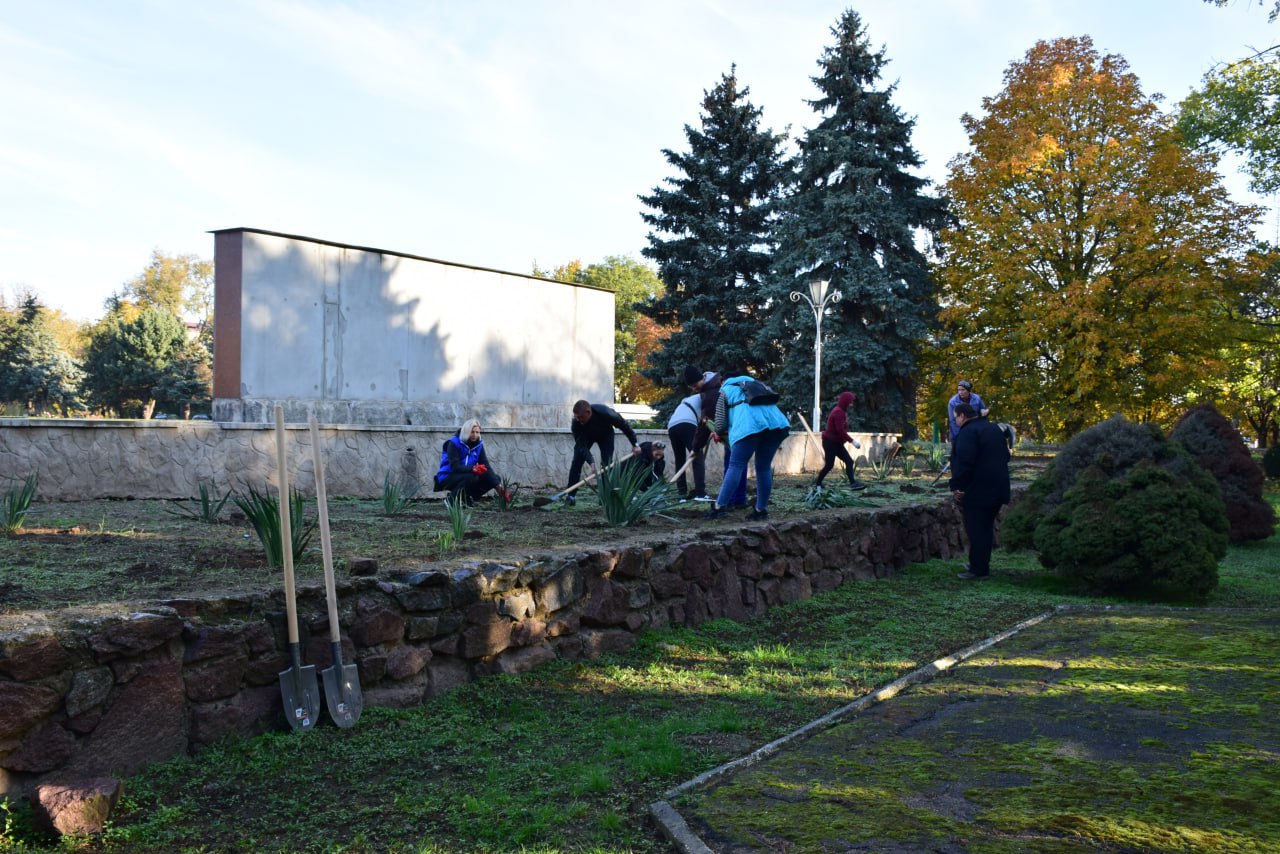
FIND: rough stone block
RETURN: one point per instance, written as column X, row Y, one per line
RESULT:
column 29, row 657
column 79, row 808
column 515, row 661
column 23, row 706
column 89, row 688
column 49, row 748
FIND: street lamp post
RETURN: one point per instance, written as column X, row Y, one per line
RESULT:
column 818, row 298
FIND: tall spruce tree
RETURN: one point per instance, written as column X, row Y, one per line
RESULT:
column 711, row 239
column 853, row 219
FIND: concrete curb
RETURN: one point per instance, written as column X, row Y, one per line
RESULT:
column 677, row 830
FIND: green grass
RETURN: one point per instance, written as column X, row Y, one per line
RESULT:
column 567, row 758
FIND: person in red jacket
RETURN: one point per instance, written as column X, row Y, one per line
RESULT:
column 835, row 437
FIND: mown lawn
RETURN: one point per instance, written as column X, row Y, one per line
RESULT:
column 568, row 758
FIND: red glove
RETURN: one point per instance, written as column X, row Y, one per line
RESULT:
column 479, row 468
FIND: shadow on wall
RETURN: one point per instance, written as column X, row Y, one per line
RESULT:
column 370, row 337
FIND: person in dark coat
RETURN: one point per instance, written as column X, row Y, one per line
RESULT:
column 593, row 424
column 464, row 466
column 980, row 483
column 651, row 460
column 835, row 437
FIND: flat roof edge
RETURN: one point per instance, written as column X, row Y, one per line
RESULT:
column 378, row 251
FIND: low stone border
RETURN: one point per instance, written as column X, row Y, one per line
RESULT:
column 96, row 691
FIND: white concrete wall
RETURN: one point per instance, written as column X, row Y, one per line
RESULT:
column 364, row 336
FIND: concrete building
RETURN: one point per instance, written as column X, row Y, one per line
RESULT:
column 369, row 336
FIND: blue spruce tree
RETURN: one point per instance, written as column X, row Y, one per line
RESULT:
column 711, row 239
column 855, row 218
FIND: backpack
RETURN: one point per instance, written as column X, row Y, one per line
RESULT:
column 757, row 393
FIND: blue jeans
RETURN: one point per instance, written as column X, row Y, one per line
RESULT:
column 763, row 445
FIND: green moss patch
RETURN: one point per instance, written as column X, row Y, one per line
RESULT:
column 1120, row 730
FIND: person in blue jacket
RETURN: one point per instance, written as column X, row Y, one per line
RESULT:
column 464, row 466
column 980, row 484
column 753, row 430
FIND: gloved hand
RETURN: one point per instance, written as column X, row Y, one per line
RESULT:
column 479, row 468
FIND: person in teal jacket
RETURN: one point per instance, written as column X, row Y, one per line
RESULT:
column 753, row 430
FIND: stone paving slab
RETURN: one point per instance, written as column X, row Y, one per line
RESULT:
column 1113, row 729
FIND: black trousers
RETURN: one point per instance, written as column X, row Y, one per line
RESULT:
column 681, row 437
column 832, row 451
column 474, row 485
column 980, row 528
column 582, row 455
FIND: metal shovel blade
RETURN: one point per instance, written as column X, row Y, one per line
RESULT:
column 342, row 689
column 342, row 694
column 300, row 691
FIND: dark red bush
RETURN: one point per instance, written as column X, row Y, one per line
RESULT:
column 1219, row 449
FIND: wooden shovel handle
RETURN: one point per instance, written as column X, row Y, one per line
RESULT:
column 676, row 476
column 809, row 433
column 326, row 546
column 286, row 529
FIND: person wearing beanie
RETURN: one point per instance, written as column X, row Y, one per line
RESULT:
column 835, row 437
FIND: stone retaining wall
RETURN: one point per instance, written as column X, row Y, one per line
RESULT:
column 95, row 691
column 79, row 459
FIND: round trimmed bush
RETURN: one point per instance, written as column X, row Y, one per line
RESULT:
column 1124, row 510
column 1220, row 450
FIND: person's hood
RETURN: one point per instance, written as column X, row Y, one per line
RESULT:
column 846, row 399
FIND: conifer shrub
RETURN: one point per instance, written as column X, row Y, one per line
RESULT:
column 1271, row 462
column 1124, row 510
column 1220, row 450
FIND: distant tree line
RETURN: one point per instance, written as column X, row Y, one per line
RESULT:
column 1083, row 258
column 150, row 352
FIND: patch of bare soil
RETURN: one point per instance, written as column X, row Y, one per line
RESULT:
column 74, row 553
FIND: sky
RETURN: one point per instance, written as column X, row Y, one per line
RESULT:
column 495, row 133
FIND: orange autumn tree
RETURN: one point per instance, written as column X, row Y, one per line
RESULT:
column 1086, row 272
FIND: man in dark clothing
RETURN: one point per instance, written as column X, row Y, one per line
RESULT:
column 980, row 483
column 593, row 424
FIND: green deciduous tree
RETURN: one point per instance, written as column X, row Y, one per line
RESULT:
column 1238, row 109
column 180, row 284
column 632, row 283
column 1087, row 274
column 130, row 350
column 1251, row 384
column 711, row 239
column 855, row 218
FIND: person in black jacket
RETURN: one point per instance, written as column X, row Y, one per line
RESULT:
column 593, row 424
column 980, row 483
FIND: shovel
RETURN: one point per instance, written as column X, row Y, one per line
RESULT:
column 341, row 682
column 550, row 499
column 298, row 686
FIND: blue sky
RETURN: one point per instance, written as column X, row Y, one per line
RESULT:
column 491, row 133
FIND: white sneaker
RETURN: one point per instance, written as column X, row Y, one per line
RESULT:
column 704, row 498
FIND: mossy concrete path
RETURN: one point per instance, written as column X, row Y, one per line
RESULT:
column 1112, row 730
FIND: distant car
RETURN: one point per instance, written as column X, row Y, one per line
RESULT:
column 201, row 417
column 161, row 416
